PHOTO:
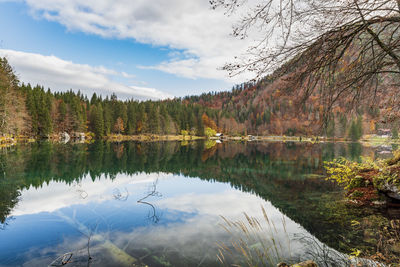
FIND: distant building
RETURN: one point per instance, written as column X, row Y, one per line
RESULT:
column 250, row 137
column 384, row 132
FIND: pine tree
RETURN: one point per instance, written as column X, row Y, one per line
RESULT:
column 355, row 131
column 330, row 127
column 395, row 131
column 97, row 121
column 164, row 118
column 153, row 121
column 107, row 115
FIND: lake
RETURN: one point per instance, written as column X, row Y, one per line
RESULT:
column 179, row 204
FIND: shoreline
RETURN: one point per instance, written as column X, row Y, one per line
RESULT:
column 152, row 138
column 10, row 140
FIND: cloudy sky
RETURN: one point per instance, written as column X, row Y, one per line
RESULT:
column 142, row 49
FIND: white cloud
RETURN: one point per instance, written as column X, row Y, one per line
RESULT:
column 61, row 75
column 127, row 75
column 57, row 195
column 203, row 34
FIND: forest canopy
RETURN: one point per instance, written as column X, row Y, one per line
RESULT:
column 42, row 113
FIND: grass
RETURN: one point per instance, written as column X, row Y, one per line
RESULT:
column 254, row 242
column 258, row 242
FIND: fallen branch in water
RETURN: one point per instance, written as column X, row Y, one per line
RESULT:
column 152, row 192
column 63, row 260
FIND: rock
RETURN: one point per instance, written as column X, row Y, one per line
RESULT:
column 64, row 137
column 390, row 190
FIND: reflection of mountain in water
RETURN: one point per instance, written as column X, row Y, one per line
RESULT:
column 283, row 173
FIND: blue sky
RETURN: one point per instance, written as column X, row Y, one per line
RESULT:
column 140, row 49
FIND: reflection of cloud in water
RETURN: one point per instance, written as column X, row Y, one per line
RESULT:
column 190, row 238
column 227, row 203
column 57, row 195
column 196, row 237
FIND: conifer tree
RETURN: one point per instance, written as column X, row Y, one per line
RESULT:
column 97, row 121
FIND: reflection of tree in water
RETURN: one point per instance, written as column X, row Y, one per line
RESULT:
column 9, row 197
column 100, row 240
column 152, row 192
column 277, row 172
column 9, row 191
column 119, row 150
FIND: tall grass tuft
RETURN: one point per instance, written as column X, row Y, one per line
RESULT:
column 253, row 242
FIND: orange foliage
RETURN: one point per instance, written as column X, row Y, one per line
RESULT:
column 372, row 125
column 209, row 122
column 119, row 125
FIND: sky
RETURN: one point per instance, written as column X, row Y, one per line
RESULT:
column 137, row 49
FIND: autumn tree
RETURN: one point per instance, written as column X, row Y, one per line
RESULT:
column 340, row 49
column 8, row 82
column 119, row 125
column 209, row 122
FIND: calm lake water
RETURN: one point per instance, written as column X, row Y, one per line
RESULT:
column 164, row 204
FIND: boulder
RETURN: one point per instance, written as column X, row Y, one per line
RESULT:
column 390, row 190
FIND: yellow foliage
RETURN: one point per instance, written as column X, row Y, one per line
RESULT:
column 343, row 171
column 372, row 125
column 355, row 253
column 210, row 132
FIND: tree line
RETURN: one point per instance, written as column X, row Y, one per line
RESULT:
column 74, row 112
column 263, row 108
column 45, row 113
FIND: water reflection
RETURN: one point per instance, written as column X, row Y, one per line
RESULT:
column 137, row 206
